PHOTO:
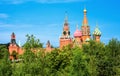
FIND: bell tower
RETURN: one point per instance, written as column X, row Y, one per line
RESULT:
column 65, row 39
column 85, row 27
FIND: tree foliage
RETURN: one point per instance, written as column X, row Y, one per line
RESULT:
column 93, row 59
column 5, row 64
column 32, row 42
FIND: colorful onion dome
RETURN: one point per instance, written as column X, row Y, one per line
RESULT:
column 97, row 31
column 77, row 33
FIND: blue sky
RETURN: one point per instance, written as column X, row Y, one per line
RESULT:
column 44, row 18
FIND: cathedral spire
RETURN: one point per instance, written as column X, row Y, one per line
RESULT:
column 85, row 22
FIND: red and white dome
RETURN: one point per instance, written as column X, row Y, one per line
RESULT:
column 77, row 33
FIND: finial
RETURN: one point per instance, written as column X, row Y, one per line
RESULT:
column 84, row 9
column 96, row 24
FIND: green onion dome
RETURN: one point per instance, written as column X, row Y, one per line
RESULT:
column 97, row 31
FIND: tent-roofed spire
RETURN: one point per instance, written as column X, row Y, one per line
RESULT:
column 85, row 22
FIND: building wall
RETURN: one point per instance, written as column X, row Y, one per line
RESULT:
column 65, row 42
column 14, row 47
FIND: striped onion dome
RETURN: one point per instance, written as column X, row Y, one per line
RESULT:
column 97, row 31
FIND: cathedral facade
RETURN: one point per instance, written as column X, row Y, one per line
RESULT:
column 81, row 36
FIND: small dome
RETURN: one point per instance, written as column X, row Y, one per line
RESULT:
column 87, row 40
column 77, row 33
column 84, row 10
column 97, row 31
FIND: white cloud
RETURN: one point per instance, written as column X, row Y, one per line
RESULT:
column 3, row 15
column 39, row 1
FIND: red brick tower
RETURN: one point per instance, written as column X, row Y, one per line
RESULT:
column 13, row 47
column 65, row 39
column 85, row 28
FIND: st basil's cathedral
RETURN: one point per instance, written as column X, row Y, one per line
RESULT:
column 81, row 36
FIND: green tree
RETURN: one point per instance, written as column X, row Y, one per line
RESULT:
column 5, row 64
column 58, row 61
column 79, row 63
column 32, row 43
column 113, row 57
column 3, row 49
column 90, row 51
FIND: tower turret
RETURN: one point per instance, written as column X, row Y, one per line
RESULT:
column 66, row 32
column 65, row 39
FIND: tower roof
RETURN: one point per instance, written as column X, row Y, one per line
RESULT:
column 13, row 39
column 97, row 31
column 77, row 33
column 85, row 22
column 66, row 25
column 13, row 36
column 66, row 19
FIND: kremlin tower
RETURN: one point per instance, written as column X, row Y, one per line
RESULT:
column 13, row 47
column 65, row 39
